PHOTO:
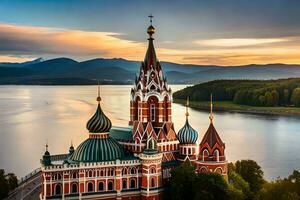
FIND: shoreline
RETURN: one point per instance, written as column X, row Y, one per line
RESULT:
column 228, row 106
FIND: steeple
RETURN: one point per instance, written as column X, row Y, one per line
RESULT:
column 151, row 60
column 211, row 117
column 46, row 157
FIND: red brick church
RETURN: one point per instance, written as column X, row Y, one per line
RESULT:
column 133, row 162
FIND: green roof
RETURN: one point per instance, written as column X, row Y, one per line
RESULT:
column 99, row 150
column 121, row 133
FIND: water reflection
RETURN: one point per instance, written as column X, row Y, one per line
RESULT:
column 30, row 115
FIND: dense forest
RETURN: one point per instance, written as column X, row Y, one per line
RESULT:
column 269, row 93
column 245, row 182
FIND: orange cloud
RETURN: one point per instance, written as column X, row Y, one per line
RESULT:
column 21, row 43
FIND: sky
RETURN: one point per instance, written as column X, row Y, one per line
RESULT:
column 206, row 32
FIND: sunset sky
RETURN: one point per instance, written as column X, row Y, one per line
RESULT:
column 221, row 32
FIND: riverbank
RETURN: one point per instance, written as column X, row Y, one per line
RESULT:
column 232, row 107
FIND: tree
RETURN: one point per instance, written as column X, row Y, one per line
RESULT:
column 286, row 96
column 181, row 184
column 251, row 172
column 275, row 97
column 8, row 182
column 295, row 98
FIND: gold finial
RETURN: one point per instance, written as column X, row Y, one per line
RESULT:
column 98, row 98
column 211, row 109
column 187, row 107
column 151, row 29
column 71, row 143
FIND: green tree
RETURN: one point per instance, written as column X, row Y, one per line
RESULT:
column 286, row 96
column 295, row 98
column 275, row 97
column 181, row 185
column 251, row 172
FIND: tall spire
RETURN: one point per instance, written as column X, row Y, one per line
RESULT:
column 187, row 107
column 46, row 145
column 211, row 109
column 98, row 97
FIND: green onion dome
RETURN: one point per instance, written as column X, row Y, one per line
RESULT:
column 98, row 150
column 99, row 123
column 187, row 135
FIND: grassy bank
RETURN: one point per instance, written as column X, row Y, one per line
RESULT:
column 230, row 106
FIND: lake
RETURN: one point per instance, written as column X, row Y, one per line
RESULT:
column 32, row 115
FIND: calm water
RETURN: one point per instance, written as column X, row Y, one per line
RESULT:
column 31, row 115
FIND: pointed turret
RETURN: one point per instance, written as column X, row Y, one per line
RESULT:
column 212, row 150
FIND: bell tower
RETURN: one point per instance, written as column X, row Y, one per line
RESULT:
column 150, row 96
column 150, row 108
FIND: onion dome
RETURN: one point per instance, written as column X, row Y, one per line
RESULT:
column 46, row 157
column 99, row 123
column 99, row 146
column 98, row 150
column 187, row 135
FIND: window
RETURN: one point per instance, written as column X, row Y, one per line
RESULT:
column 75, row 175
column 56, row 177
column 152, row 170
column 124, row 184
column 102, row 173
column 110, row 185
column 217, row 155
column 132, row 183
column 152, row 182
column 90, row 174
column 140, row 114
column 58, row 189
column 124, row 171
column 190, row 152
column 132, row 171
column 90, row 187
column 100, row 186
column 152, row 112
column 74, row 188
column 205, row 154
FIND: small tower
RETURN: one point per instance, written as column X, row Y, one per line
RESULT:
column 71, row 149
column 187, row 137
column 212, row 150
column 46, row 157
column 151, row 171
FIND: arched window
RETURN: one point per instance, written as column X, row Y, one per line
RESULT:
column 132, row 183
column 58, row 189
column 90, row 174
column 205, row 154
column 110, row 185
column 217, row 155
column 100, row 186
column 74, row 188
column 75, row 175
column 124, row 171
column 152, row 170
column 133, row 171
column 152, row 112
column 102, row 173
column 124, row 184
column 152, row 182
column 90, row 187
column 190, row 152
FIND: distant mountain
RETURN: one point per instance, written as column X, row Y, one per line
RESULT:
column 8, row 64
column 121, row 71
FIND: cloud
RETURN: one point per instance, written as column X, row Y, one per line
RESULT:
column 19, row 43
column 28, row 40
column 238, row 42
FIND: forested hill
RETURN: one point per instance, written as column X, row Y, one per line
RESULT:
column 282, row 92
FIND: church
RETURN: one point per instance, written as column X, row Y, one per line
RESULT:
column 133, row 162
